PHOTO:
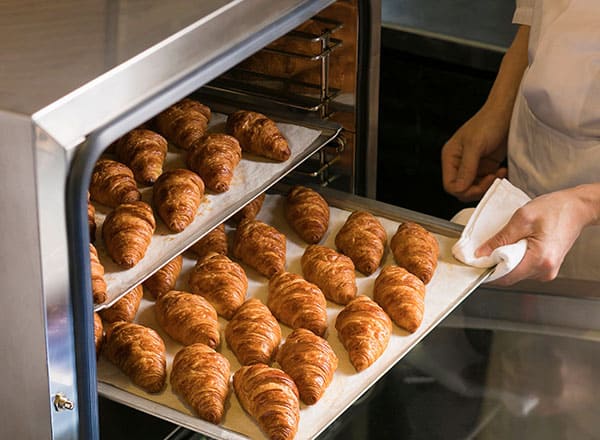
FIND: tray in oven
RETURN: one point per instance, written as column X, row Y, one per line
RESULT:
column 452, row 282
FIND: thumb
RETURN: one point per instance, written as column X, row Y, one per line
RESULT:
column 467, row 171
column 509, row 234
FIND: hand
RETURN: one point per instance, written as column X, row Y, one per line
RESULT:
column 472, row 157
column 551, row 223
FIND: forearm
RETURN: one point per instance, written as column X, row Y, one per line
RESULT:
column 588, row 197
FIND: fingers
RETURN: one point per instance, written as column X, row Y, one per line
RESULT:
column 512, row 232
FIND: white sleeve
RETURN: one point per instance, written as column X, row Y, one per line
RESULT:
column 524, row 12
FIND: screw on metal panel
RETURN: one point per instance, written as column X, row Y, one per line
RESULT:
column 61, row 402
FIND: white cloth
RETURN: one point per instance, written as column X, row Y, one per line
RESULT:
column 492, row 213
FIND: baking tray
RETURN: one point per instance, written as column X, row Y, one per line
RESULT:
column 252, row 177
column 451, row 284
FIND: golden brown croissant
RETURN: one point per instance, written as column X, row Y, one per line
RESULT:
column 139, row 352
column 98, row 282
column 184, row 123
column 402, row 295
column 363, row 239
column 260, row 246
column 125, row 308
column 165, row 278
column 331, row 271
column 221, row 281
column 188, row 318
column 307, row 213
column 271, row 397
column 177, row 195
column 415, row 249
column 250, row 211
column 127, row 232
column 91, row 220
column 297, row 303
column 310, row 361
column 144, row 151
column 253, row 333
column 98, row 333
column 214, row 241
column 364, row 329
column 214, row 157
column 201, row 376
column 258, row 134
column 112, row 183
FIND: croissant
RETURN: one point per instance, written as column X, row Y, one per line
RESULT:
column 415, row 249
column 271, row 397
column 402, row 295
column 139, row 352
column 297, row 303
column 214, row 241
column 127, row 232
column 214, row 157
column 165, row 278
column 331, row 271
column 144, row 151
column 258, row 134
column 364, row 329
column 201, row 376
column 91, row 220
column 307, row 213
column 310, row 361
column 221, row 281
column 260, row 246
column 112, row 183
column 98, row 282
column 184, row 123
column 98, row 333
column 253, row 333
column 363, row 239
column 125, row 308
column 177, row 195
column 188, row 318
column 250, row 211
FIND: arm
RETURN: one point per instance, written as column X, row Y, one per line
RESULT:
column 471, row 158
column 551, row 223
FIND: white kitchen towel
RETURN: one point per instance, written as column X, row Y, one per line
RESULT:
column 494, row 210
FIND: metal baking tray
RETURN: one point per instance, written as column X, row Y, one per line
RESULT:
column 252, row 177
column 451, row 284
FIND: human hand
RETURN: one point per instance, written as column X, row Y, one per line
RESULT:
column 472, row 157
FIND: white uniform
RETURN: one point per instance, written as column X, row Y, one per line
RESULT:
column 554, row 141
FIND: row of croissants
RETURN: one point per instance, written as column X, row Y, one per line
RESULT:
column 218, row 287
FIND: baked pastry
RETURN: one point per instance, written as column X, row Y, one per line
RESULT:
column 310, row 361
column 297, row 303
column 221, row 282
column 214, row 241
column 250, row 211
column 125, row 308
column 127, row 232
column 184, row 123
column 201, row 376
column 188, row 318
column 415, row 249
column 402, row 295
column 331, row 271
column 177, row 195
column 98, row 282
column 307, row 213
column 144, row 151
column 253, row 333
column 214, row 157
column 165, row 278
column 98, row 333
column 260, row 246
column 112, row 183
column 139, row 352
column 91, row 219
column 363, row 239
column 364, row 329
column 258, row 134
column 271, row 397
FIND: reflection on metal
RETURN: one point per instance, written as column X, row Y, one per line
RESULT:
column 62, row 402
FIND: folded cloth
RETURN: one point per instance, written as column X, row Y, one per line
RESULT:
column 494, row 211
